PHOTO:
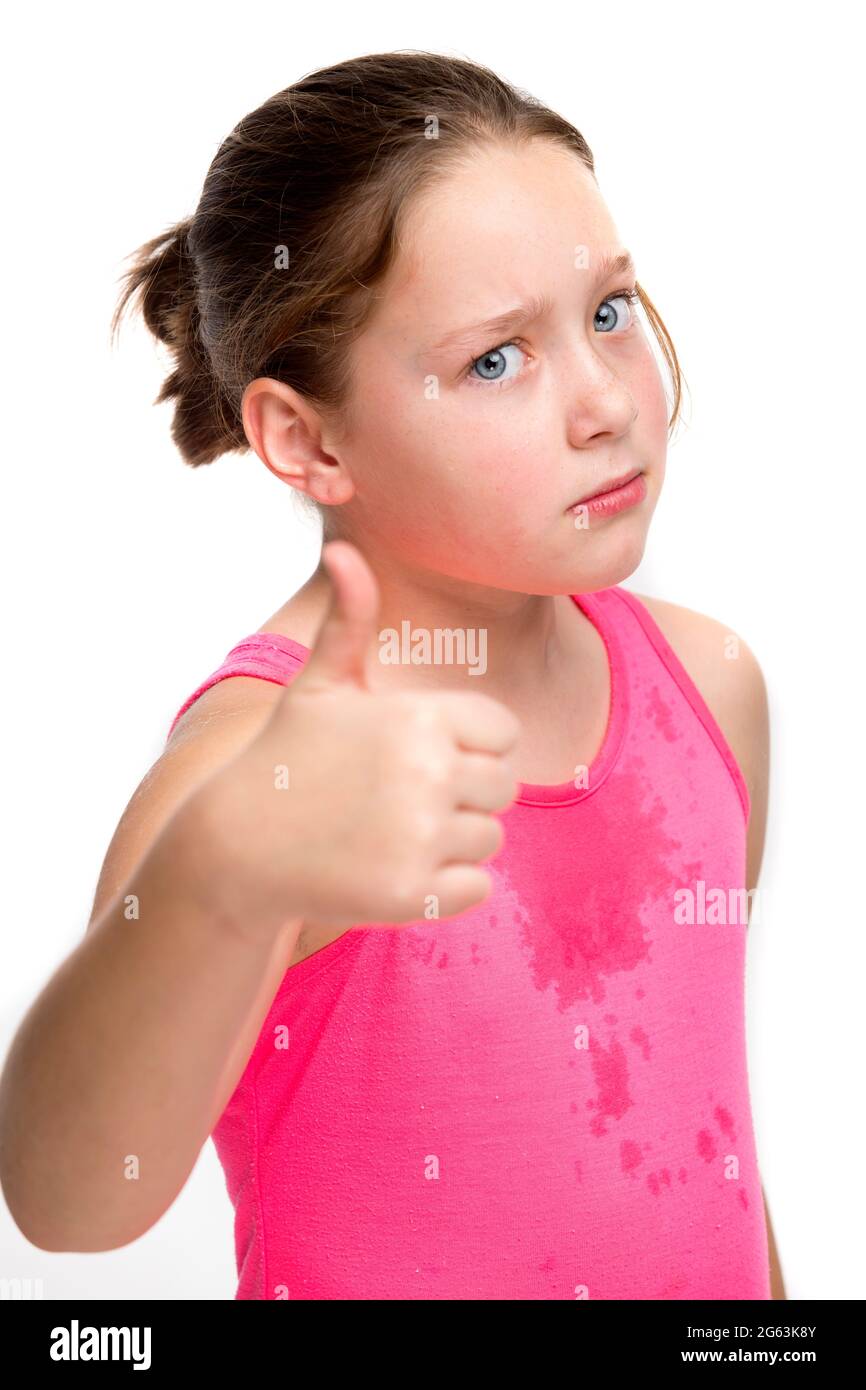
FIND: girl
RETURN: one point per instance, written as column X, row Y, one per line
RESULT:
column 425, row 1078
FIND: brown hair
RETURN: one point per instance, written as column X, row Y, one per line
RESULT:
column 274, row 272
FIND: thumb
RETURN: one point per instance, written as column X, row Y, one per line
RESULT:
column 342, row 642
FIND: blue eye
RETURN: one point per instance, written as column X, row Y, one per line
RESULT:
column 492, row 363
column 606, row 321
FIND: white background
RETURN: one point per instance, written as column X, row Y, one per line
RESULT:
column 728, row 145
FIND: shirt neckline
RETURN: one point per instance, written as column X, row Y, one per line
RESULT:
column 595, row 607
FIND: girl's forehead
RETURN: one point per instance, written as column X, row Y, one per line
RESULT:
column 461, row 229
column 495, row 182
column 498, row 228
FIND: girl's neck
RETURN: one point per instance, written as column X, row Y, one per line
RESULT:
column 494, row 641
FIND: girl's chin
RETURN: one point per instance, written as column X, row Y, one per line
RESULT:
column 605, row 560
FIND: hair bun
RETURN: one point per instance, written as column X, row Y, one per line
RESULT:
column 163, row 279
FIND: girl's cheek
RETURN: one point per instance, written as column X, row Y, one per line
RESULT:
column 649, row 394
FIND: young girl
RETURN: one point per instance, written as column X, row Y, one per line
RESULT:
column 434, row 914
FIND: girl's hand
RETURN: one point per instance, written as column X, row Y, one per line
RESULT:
column 350, row 807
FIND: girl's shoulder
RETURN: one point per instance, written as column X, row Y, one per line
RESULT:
column 720, row 662
column 301, row 617
column 245, row 696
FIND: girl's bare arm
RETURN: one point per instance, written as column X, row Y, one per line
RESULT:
column 123, row 1065
column 125, row 1061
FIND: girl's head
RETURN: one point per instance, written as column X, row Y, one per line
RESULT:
column 325, row 305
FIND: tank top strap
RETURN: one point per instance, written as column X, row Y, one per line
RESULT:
column 268, row 655
column 650, row 653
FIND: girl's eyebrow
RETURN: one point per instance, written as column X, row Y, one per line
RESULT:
column 529, row 309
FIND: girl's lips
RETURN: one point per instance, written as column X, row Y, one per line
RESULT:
column 608, row 503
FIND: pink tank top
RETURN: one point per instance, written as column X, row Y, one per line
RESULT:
column 547, row 1096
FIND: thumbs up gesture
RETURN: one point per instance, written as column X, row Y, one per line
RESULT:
column 350, row 807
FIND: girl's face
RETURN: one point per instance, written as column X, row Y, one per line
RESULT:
column 466, row 445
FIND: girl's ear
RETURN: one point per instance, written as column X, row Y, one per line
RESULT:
column 286, row 433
